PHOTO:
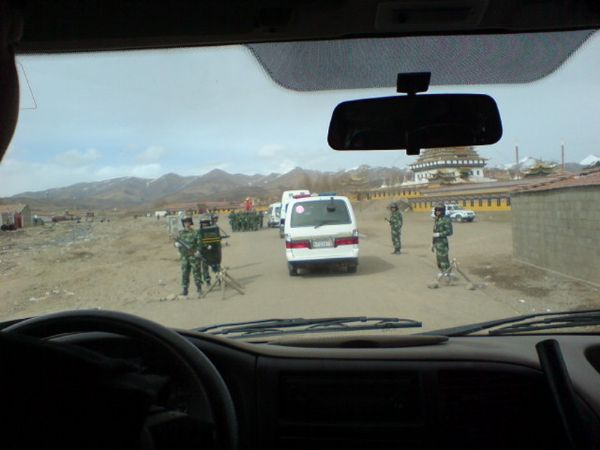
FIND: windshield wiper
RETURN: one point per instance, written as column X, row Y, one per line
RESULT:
column 569, row 320
column 274, row 327
column 551, row 320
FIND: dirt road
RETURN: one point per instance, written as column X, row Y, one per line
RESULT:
column 131, row 265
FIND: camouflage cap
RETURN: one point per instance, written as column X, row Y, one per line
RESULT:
column 187, row 218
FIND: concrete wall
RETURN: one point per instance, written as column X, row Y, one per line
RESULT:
column 559, row 230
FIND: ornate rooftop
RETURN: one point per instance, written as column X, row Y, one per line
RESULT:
column 436, row 154
column 448, row 157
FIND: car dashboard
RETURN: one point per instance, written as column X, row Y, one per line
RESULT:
column 401, row 393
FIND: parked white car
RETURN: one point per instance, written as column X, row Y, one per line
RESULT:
column 457, row 213
column 321, row 230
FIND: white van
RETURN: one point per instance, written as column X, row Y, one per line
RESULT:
column 321, row 230
column 287, row 197
column 273, row 215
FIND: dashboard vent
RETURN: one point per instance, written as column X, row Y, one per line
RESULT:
column 496, row 410
column 349, row 397
column 350, row 410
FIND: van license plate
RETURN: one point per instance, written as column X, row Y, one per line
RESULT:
column 322, row 243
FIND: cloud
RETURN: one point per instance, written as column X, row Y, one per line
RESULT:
column 142, row 170
column 146, row 170
column 21, row 176
column 271, row 150
column 77, row 158
column 285, row 166
column 151, row 154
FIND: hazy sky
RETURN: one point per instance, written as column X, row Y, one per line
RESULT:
column 98, row 116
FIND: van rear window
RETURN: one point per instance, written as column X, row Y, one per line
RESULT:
column 318, row 213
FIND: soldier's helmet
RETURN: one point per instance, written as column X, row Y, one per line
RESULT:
column 393, row 206
column 205, row 220
column 187, row 218
column 440, row 207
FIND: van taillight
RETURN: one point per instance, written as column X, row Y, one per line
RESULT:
column 297, row 244
column 353, row 240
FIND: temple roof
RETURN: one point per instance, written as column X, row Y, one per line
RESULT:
column 448, row 153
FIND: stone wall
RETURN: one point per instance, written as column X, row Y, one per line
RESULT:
column 559, row 230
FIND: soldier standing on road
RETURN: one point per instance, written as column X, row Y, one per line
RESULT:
column 442, row 228
column 396, row 222
column 209, row 244
column 189, row 260
column 231, row 218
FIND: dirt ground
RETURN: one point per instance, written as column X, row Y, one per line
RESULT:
column 131, row 265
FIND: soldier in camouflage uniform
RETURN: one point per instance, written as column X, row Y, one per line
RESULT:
column 189, row 260
column 395, row 222
column 209, row 244
column 442, row 228
column 231, row 218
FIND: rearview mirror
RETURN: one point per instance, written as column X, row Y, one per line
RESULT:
column 413, row 122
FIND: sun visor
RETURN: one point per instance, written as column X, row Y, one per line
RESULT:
column 452, row 60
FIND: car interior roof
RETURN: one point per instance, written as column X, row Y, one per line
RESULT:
column 88, row 25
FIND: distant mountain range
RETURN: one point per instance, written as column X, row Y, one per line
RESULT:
column 220, row 186
column 216, row 185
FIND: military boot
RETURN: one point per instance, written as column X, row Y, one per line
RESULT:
column 184, row 292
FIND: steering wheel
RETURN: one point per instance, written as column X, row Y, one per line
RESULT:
column 203, row 378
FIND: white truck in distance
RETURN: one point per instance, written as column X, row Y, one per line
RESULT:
column 273, row 215
column 286, row 198
column 457, row 213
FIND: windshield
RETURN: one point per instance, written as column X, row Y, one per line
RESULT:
column 317, row 213
column 120, row 157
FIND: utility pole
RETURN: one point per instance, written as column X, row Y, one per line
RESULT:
column 517, row 176
column 562, row 155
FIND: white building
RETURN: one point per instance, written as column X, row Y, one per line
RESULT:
column 449, row 165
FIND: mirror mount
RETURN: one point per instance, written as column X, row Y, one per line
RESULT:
column 411, row 83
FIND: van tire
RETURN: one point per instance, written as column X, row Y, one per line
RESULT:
column 352, row 269
column 293, row 271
